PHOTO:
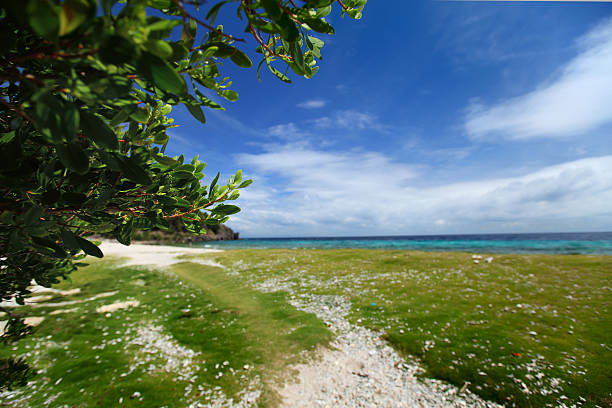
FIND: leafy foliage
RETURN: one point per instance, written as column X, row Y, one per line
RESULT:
column 85, row 97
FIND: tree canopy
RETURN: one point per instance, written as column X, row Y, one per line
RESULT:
column 87, row 89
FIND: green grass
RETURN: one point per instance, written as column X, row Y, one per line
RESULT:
column 204, row 311
column 526, row 331
column 523, row 330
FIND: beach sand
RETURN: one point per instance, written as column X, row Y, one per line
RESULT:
column 155, row 255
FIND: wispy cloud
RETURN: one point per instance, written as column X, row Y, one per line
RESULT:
column 362, row 192
column 309, row 130
column 573, row 102
column 312, row 104
column 349, row 119
column 286, row 131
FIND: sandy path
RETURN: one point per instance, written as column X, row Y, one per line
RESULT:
column 362, row 370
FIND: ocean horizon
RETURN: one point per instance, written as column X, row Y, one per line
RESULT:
column 595, row 243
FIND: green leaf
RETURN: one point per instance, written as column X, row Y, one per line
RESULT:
column 320, row 26
column 187, row 167
column 134, row 171
column 230, row 95
column 160, row 48
column 165, row 160
column 124, row 232
column 70, row 122
column 214, row 10
column 44, row 18
column 296, row 53
column 323, row 11
column 181, row 202
column 73, row 157
column 97, row 129
column 161, row 74
column 213, row 184
column 289, row 31
column 319, row 3
column 179, row 51
column 166, row 200
column 89, row 247
column 73, row 14
column 196, row 112
column 159, row 4
column 58, row 251
column 164, row 25
column 116, row 49
column 189, row 32
column 273, row 9
column 278, row 74
column 70, row 239
column 315, row 45
column 241, row 59
column 245, row 183
column 140, row 115
column 182, row 174
column 225, row 209
column 238, row 176
column 32, row 217
column 7, row 137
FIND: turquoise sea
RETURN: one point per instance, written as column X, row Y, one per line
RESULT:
column 545, row 243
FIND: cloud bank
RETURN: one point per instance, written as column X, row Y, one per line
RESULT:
column 361, row 192
column 575, row 101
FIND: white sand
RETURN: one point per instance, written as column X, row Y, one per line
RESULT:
column 117, row 306
column 155, row 255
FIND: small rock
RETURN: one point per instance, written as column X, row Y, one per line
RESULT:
column 33, row 321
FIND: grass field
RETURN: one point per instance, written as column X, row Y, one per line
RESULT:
column 522, row 330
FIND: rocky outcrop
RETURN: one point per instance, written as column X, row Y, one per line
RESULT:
column 215, row 233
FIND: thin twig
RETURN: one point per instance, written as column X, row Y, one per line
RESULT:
column 203, row 24
column 17, row 111
column 342, row 5
column 56, row 55
column 221, row 197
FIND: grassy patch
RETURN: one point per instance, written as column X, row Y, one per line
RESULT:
column 208, row 338
column 523, row 330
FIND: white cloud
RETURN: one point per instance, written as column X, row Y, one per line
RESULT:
column 312, row 104
column 367, row 193
column 349, row 119
column 286, row 131
column 573, row 102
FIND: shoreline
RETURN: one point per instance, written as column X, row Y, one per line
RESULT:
column 520, row 244
column 481, row 251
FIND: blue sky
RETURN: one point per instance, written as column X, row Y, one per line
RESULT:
column 426, row 117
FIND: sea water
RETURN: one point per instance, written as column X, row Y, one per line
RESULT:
column 545, row 243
